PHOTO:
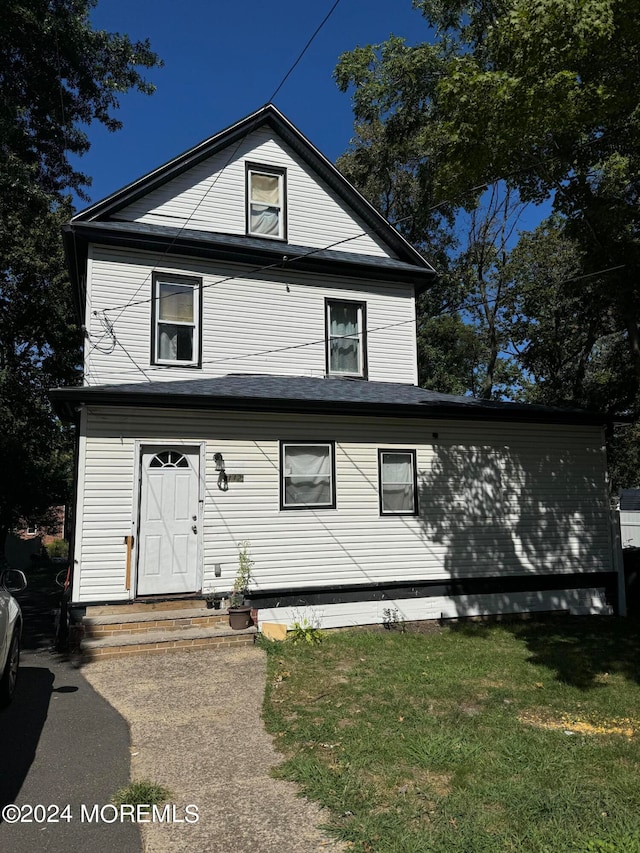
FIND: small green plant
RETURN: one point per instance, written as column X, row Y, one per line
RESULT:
column 391, row 620
column 243, row 575
column 141, row 792
column 305, row 632
column 57, row 548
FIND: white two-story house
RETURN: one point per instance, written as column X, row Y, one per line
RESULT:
column 250, row 375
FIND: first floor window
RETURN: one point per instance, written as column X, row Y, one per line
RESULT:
column 397, row 477
column 346, row 332
column 307, row 475
column 176, row 320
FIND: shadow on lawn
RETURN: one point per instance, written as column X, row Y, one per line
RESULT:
column 577, row 648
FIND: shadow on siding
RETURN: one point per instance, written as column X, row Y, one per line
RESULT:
column 518, row 512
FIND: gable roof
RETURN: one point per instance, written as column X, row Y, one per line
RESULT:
column 311, row 395
column 94, row 224
column 267, row 116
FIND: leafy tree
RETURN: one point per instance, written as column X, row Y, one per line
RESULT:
column 543, row 96
column 561, row 325
column 57, row 76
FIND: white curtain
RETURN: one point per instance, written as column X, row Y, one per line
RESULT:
column 168, row 349
column 397, row 482
column 307, row 478
column 265, row 220
column 344, row 341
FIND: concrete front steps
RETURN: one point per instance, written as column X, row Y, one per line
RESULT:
column 156, row 627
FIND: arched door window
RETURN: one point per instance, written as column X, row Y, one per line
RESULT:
column 169, row 459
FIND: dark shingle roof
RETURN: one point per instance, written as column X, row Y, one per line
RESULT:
column 257, row 392
column 630, row 499
column 248, row 250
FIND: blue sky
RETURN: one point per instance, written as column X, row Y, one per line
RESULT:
column 222, row 61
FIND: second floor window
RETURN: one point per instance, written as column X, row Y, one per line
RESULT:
column 266, row 212
column 176, row 320
column 346, row 339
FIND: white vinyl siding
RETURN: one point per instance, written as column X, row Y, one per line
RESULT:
column 630, row 528
column 211, row 197
column 495, row 499
column 268, row 322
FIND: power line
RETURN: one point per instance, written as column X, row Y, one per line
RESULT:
column 446, row 202
column 368, row 332
column 258, row 353
column 304, row 50
column 233, row 152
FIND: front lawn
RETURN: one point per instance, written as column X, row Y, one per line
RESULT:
column 519, row 737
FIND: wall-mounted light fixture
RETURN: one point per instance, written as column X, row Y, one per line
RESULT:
column 223, row 481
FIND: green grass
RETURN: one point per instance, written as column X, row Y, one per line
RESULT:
column 456, row 741
column 141, row 792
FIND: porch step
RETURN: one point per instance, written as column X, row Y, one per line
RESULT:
column 157, row 642
column 147, row 606
column 118, row 622
column 153, row 627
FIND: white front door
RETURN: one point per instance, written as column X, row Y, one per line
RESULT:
column 168, row 529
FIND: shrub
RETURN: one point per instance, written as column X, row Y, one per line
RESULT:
column 57, row 548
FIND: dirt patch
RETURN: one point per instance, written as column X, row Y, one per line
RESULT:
column 438, row 783
column 571, row 724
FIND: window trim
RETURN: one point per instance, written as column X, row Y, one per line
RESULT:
column 174, row 278
column 364, row 374
column 413, row 512
column 274, row 171
column 332, row 459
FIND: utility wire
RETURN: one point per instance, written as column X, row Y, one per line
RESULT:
column 446, row 202
column 303, row 51
column 235, row 149
column 258, row 353
column 321, row 341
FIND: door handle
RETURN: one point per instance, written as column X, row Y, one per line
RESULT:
column 194, row 528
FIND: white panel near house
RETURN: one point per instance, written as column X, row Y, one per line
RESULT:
column 579, row 602
column 211, row 197
column 263, row 323
column 630, row 528
column 495, row 499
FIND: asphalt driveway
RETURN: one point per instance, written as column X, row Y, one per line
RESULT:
column 61, row 744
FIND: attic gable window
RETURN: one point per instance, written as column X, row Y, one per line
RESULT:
column 266, row 202
column 176, row 331
column 346, row 338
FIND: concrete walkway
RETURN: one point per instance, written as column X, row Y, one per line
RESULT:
column 196, row 729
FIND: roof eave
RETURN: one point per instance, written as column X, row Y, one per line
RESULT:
column 67, row 401
column 77, row 236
